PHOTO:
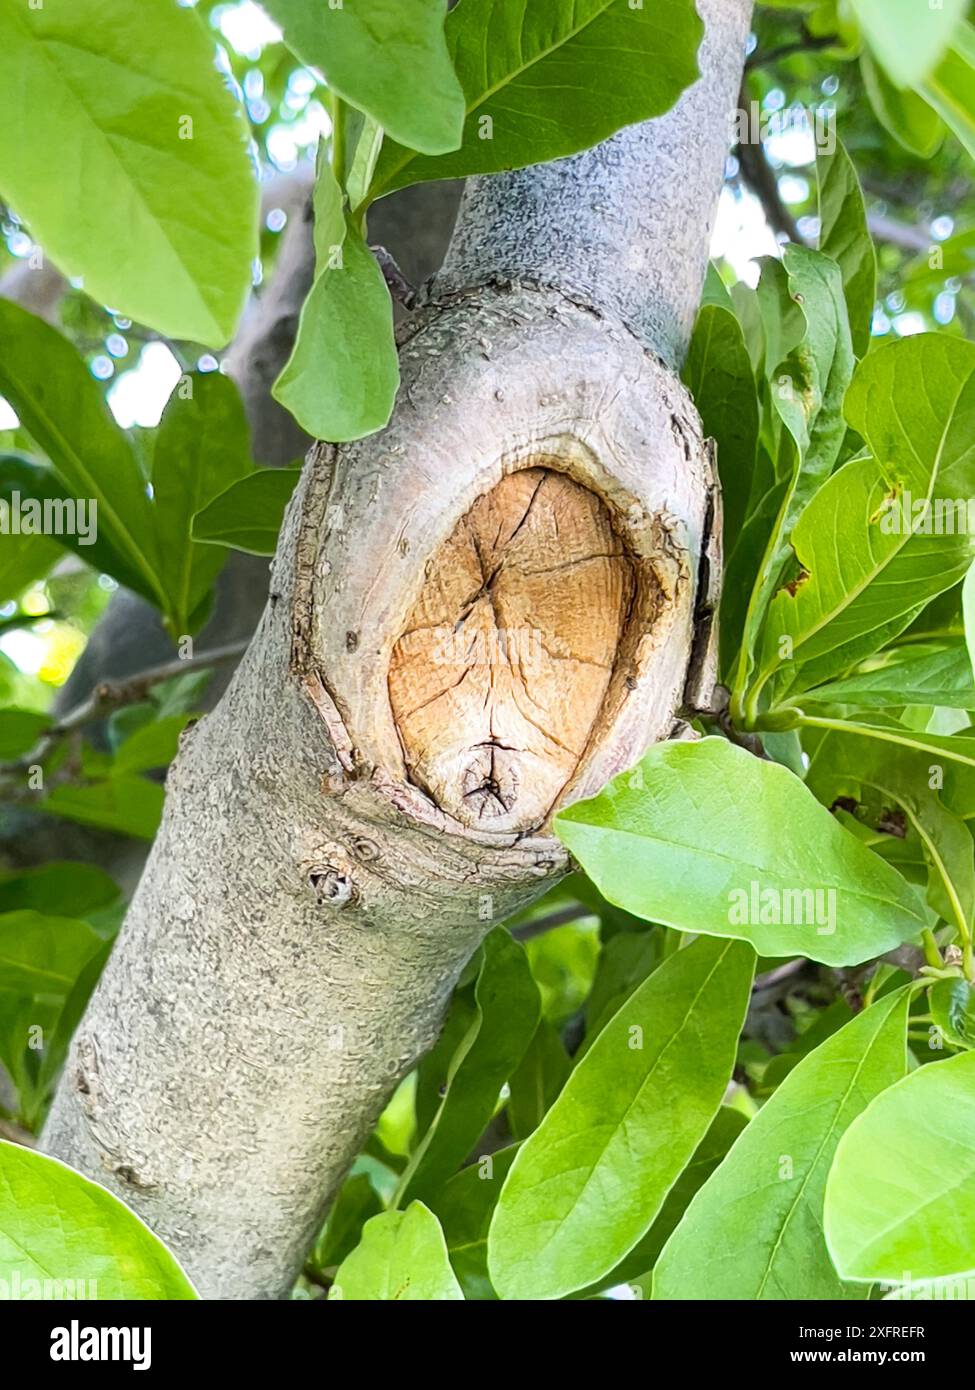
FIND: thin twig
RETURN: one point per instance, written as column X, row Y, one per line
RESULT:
column 399, row 286
column 764, row 183
column 112, row 695
column 914, row 240
column 558, row 918
column 779, row 974
column 762, row 179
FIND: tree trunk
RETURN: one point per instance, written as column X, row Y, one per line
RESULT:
column 485, row 610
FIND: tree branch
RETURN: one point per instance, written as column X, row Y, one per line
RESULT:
column 112, row 695
column 762, row 179
column 912, row 240
column 399, row 287
column 310, row 901
column 559, row 918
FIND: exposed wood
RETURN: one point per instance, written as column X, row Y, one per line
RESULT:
column 498, row 682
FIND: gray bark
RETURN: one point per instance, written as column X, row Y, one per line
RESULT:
column 306, row 909
column 624, row 228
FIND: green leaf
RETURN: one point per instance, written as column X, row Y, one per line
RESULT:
column 247, row 515
column 868, row 543
column 24, row 560
column 46, row 381
column 962, row 1288
column 754, row 1230
column 162, row 224
column 328, row 207
column 544, row 82
column 357, row 1201
column 624, row 962
column 42, row 959
column 124, row 722
column 402, row 1255
column 19, row 731
column 201, row 448
column 951, row 755
column 724, row 1130
column 864, row 576
column 901, row 1193
column 944, row 260
column 705, row 837
column 506, row 1016
column 129, row 805
column 364, row 140
column 780, row 314
column 968, row 613
column 628, row 1121
column 60, row 1029
column 563, row 961
column 154, row 745
column 810, row 381
column 70, row 521
column 908, row 38
column 718, row 373
column 431, row 1073
column 387, row 57
column 742, row 569
column 950, row 89
column 908, row 117
column 905, row 676
column 56, row 1227
column 845, row 236
column 823, row 1025
column 464, row 1207
column 953, row 1010
column 537, row 1080
column 809, row 363
column 181, row 694
column 55, row 887
column 341, row 380
column 40, row 954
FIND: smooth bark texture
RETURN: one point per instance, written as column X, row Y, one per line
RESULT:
column 624, row 228
column 307, row 907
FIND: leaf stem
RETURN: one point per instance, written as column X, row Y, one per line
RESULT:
column 932, row 954
column 338, row 140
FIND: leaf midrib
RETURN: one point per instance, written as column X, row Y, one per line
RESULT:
column 619, row 1124
column 486, row 96
column 887, row 735
column 793, row 1207
column 710, row 852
